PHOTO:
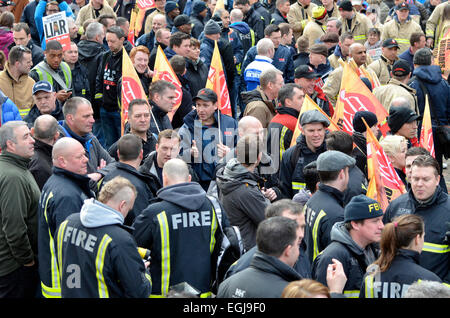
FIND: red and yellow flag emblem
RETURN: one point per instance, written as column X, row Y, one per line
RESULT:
column 355, row 96
column 426, row 133
column 163, row 71
column 217, row 82
column 131, row 87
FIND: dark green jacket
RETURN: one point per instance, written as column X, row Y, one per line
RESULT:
column 19, row 197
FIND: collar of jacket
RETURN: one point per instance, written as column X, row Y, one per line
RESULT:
column 157, row 111
column 384, row 59
column 46, row 148
column 301, row 142
column 81, row 180
column 130, row 169
column 335, row 193
column 287, row 110
column 21, row 78
column 438, row 197
column 270, row 103
column 270, row 264
column 409, row 255
column 84, row 140
column 17, row 160
column 397, row 82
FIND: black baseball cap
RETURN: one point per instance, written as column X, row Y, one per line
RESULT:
column 390, row 43
column 401, row 68
column 400, row 115
column 346, row 5
column 206, row 94
column 402, row 6
column 305, row 71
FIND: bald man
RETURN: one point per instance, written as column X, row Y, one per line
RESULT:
column 45, row 133
column 62, row 195
column 357, row 52
column 189, row 221
column 268, row 166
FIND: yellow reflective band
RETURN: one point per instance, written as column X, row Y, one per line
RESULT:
column 369, row 286
column 298, row 185
column 446, row 285
column 359, row 37
column 98, row 96
column 351, row 293
column 53, row 260
column 157, row 296
column 282, row 147
column 49, row 292
column 206, row 295
column 59, row 241
column 212, row 242
column 99, row 263
column 402, row 41
column 165, row 252
column 435, row 248
column 314, row 234
column 429, row 33
column 23, row 112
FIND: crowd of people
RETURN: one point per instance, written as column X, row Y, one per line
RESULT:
column 185, row 201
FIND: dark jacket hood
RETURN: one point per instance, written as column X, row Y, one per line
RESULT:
column 190, row 195
column 340, row 234
column 88, row 49
column 242, row 27
column 429, row 73
column 251, row 96
column 233, row 175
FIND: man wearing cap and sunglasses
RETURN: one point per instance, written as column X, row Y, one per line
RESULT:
column 397, row 86
column 383, row 66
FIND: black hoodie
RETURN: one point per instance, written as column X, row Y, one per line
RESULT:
column 181, row 230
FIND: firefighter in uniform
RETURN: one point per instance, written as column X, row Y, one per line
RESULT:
column 401, row 27
column 299, row 15
column 398, row 267
column 427, row 199
column 183, row 231
column 310, row 144
column 97, row 255
column 352, row 243
column 434, row 30
column 62, row 195
column 383, row 66
column 354, row 22
column 326, row 206
column 291, row 98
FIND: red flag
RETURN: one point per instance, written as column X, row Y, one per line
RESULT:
column 131, row 87
column 384, row 183
column 216, row 81
column 163, row 71
column 426, row 133
column 355, row 96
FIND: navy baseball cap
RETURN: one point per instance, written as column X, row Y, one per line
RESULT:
column 42, row 86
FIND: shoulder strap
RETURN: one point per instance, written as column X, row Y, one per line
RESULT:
column 426, row 93
column 44, row 67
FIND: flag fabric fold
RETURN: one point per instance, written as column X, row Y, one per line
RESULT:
column 131, row 87
column 163, row 71
column 384, row 183
column 309, row 104
column 217, row 82
column 426, row 133
column 355, row 96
